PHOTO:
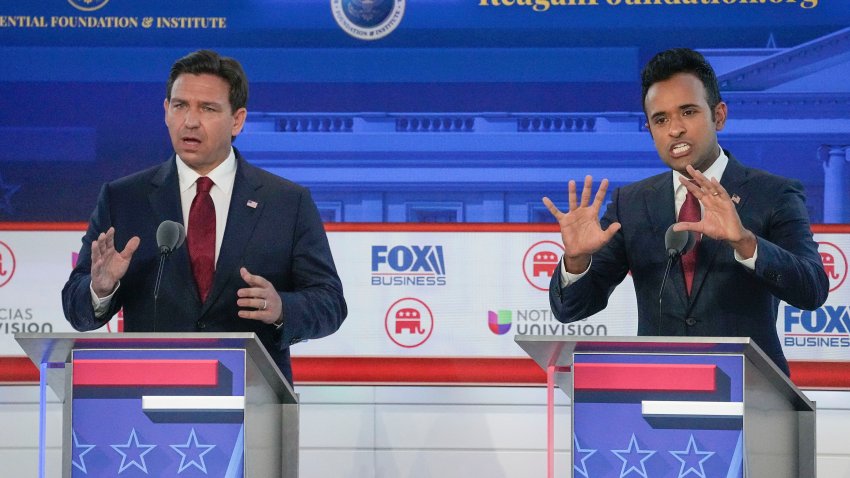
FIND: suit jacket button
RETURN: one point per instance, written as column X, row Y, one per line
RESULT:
column 690, row 321
column 201, row 325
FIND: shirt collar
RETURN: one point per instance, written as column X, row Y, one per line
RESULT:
column 222, row 176
column 715, row 171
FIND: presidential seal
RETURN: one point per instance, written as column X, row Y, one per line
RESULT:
column 88, row 5
column 368, row 19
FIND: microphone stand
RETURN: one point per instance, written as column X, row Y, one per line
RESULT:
column 672, row 256
column 163, row 253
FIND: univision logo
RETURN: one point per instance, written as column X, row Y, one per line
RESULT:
column 499, row 321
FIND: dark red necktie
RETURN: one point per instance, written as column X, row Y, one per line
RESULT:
column 201, row 236
column 689, row 212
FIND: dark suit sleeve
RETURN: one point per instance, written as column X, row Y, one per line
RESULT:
column 315, row 306
column 76, row 295
column 608, row 268
column 788, row 263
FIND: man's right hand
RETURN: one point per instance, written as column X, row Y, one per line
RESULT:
column 580, row 229
column 108, row 265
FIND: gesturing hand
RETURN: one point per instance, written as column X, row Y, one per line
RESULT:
column 108, row 265
column 581, row 231
column 720, row 219
column 260, row 295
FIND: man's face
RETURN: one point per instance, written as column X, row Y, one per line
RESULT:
column 200, row 121
column 681, row 124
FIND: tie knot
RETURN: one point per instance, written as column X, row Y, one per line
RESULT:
column 203, row 185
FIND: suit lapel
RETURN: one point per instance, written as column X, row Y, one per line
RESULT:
column 661, row 210
column 165, row 201
column 733, row 180
column 246, row 205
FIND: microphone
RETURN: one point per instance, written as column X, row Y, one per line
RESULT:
column 677, row 243
column 169, row 237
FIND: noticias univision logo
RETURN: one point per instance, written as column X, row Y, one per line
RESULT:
column 408, row 265
column 499, row 321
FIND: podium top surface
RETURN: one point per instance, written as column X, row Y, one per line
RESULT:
column 548, row 350
column 57, row 349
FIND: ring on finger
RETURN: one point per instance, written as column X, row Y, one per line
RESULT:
column 265, row 304
column 715, row 193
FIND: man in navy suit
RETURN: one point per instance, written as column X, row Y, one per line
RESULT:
column 270, row 264
column 755, row 244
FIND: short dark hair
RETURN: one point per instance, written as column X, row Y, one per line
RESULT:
column 668, row 63
column 210, row 62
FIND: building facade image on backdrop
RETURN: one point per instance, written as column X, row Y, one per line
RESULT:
column 458, row 112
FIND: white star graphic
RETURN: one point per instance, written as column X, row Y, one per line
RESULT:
column 585, row 453
column 193, row 446
column 133, row 448
column 86, row 448
column 693, row 458
column 633, row 457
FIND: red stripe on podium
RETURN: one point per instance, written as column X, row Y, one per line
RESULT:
column 459, row 371
column 625, row 377
column 145, row 373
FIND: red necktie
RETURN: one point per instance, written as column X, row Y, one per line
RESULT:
column 689, row 212
column 201, row 236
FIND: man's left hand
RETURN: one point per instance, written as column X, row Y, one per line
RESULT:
column 260, row 296
column 720, row 219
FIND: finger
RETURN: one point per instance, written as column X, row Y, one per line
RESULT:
column 131, row 247
column 253, row 303
column 600, row 194
column 552, row 208
column 691, row 187
column 611, row 231
column 254, row 280
column 572, row 195
column 252, row 292
column 688, row 226
column 109, row 238
column 586, row 190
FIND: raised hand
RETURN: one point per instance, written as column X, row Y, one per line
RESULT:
column 581, row 231
column 720, row 219
column 108, row 265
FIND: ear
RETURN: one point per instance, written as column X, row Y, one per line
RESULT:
column 165, row 107
column 720, row 113
column 238, row 121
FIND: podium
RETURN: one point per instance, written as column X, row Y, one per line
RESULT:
column 676, row 407
column 187, row 404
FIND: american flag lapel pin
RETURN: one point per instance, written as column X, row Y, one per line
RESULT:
column 736, row 199
column 252, row 204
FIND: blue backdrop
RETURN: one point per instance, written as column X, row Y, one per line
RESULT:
column 463, row 111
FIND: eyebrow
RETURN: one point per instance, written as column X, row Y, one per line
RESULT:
column 681, row 107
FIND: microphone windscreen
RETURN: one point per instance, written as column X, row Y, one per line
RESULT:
column 678, row 242
column 169, row 236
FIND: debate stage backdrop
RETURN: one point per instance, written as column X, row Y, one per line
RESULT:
column 408, row 112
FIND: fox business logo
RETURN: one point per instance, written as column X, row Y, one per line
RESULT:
column 408, row 266
column 828, row 326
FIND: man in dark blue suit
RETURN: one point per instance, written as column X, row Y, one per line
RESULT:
column 754, row 246
column 263, row 264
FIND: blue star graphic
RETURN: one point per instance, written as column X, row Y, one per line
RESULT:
column 692, row 458
column 584, row 453
column 133, row 447
column 192, row 447
column 633, row 457
column 6, row 192
column 79, row 455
